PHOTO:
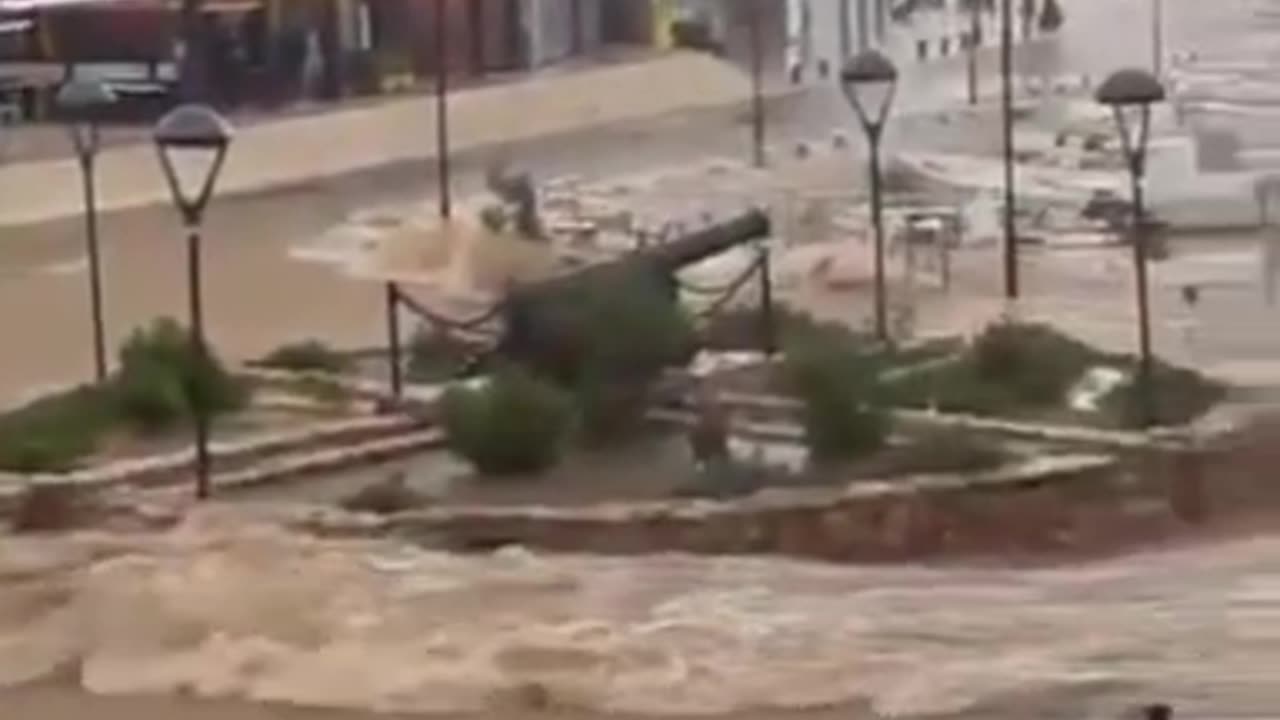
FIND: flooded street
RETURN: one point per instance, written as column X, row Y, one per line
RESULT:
column 209, row 610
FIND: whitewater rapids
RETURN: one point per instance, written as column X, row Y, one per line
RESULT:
column 227, row 607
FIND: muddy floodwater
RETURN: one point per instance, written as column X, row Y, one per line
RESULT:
column 228, row 608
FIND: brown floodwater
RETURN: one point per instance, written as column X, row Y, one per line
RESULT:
column 230, row 608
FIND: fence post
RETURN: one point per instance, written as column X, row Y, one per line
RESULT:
column 393, row 340
column 768, row 323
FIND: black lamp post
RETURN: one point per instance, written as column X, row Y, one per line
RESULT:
column 192, row 142
column 757, row 84
column 441, row 40
column 1011, row 283
column 82, row 100
column 1130, row 94
column 869, row 81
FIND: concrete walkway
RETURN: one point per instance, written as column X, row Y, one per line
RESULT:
column 299, row 149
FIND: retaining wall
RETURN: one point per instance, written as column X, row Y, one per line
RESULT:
column 1062, row 503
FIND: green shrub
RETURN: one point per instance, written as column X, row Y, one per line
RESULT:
column 307, row 356
column 163, row 379
column 515, row 424
column 1180, row 396
column 842, row 416
column 54, row 433
column 951, row 387
column 436, row 356
column 1035, row 363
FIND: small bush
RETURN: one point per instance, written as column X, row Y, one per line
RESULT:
column 1035, row 363
column 843, row 418
column 307, row 356
column 1179, row 396
column 54, row 433
column 164, row 379
column 436, row 356
column 515, row 424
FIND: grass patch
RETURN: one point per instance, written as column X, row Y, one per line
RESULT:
column 1026, row 371
column 1180, row 397
column 307, row 356
column 53, row 433
column 435, row 356
column 162, row 382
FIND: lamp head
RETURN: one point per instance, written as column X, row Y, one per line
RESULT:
column 868, row 80
column 83, row 101
column 192, row 141
column 1130, row 93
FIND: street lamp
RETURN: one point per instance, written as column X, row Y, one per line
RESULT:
column 869, row 81
column 1011, row 281
column 1130, row 94
column 757, row 85
column 443, row 170
column 192, row 142
column 83, row 100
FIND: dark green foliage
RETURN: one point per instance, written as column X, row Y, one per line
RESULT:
column 436, row 356
column 161, row 378
column 1035, row 364
column 53, row 433
column 1180, row 396
column 610, row 411
column 513, row 425
column 1015, row 370
column 1010, row 369
column 842, row 415
column 308, row 355
column 164, row 379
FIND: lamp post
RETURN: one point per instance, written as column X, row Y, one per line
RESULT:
column 441, row 40
column 82, row 100
column 869, row 81
column 1157, row 37
column 1130, row 94
column 1011, row 284
column 192, row 142
column 757, row 84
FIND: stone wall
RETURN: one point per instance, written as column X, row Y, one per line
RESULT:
column 1066, row 503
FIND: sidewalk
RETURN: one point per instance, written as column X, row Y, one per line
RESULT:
column 304, row 148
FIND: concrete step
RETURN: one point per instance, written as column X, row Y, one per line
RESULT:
column 310, row 462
